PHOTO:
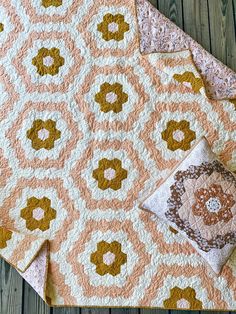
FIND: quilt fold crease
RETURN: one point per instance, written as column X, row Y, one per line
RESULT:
column 28, row 255
column 159, row 34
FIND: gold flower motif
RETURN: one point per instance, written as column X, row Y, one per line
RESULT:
column 1, row 27
column 213, row 205
column 54, row 3
column 173, row 230
column 183, row 298
column 38, row 214
column 113, row 27
column 111, row 97
column 178, row 135
column 110, row 174
column 233, row 101
column 189, row 77
column 108, row 258
column 48, row 61
column 43, row 134
column 5, row 235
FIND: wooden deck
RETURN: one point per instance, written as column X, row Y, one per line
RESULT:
column 213, row 24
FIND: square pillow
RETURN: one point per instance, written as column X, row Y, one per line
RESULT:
column 198, row 199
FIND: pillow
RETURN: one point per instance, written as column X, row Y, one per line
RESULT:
column 198, row 199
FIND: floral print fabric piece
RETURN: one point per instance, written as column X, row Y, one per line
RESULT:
column 113, row 27
column 178, row 135
column 183, row 298
column 108, row 258
column 159, row 34
column 19, row 249
column 213, row 205
column 198, row 199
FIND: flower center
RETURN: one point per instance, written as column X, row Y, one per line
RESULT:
column 183, row 304
column 113, row 27
column 213, row 204
column 109, row 258
column 43, row 134
column 178, row 135
column 109, row 174
column 48, row 61
column 38, row 213
column 111, row 97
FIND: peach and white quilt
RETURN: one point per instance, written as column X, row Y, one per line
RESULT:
column 97, row 105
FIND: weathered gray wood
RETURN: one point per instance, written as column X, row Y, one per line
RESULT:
column 185, row 312
column 231, row 35
column 10, row 290
column 173, row 9
column 196, row 21
column 95, row 311
column 125, row 311
column 206, row 312
column 223, row 33
column 67, row 310
column 153, row 311
column 234, row 17
column 153, row 2
column 32, row 303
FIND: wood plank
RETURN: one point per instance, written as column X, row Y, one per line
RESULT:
column 215, row 312
column 196, row 21
column 66, row 310
column 173, row 9
column 223, row 33
column 185, row 312
column 124, row 311
column 95, row 311
column 11, row 288
column 231, row 35
column 153, row 2
column 234, row 17
column 32, row 303
column 154, row 311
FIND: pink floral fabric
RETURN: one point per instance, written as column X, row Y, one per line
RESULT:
column 159, row 34
column 36, row 274
column 199, row 200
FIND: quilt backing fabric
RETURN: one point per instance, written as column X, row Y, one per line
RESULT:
column 89, row 119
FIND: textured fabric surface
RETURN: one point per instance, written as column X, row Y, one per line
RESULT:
column 198, row 199
column 19, row 249
column 158, row 34
column 36, row 273
column 89, row 126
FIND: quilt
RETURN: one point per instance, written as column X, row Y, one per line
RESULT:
column 94, row 96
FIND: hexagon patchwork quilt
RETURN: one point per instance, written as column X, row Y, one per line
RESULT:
column 95, row 111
